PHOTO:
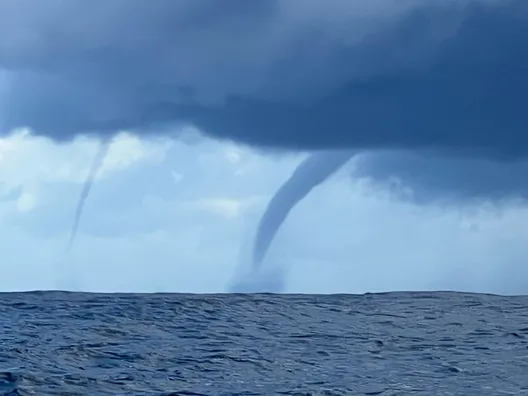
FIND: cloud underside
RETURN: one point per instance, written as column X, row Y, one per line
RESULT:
column 428, row 179
column 448, row 76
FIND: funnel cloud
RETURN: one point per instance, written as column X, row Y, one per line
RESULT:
column 313, row 171
column 87, row 186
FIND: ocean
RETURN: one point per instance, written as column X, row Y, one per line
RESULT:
column 438, row 343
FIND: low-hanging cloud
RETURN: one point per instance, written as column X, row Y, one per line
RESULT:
column 448, row 75
column 426, row 178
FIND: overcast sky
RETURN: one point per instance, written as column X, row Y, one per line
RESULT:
column 174, row 216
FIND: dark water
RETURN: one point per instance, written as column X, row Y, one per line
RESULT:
column 377, row 344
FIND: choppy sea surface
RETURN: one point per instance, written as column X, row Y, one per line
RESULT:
column 55, row 343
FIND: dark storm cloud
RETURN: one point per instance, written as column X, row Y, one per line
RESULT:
column 297, row 74
column 445, row 180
